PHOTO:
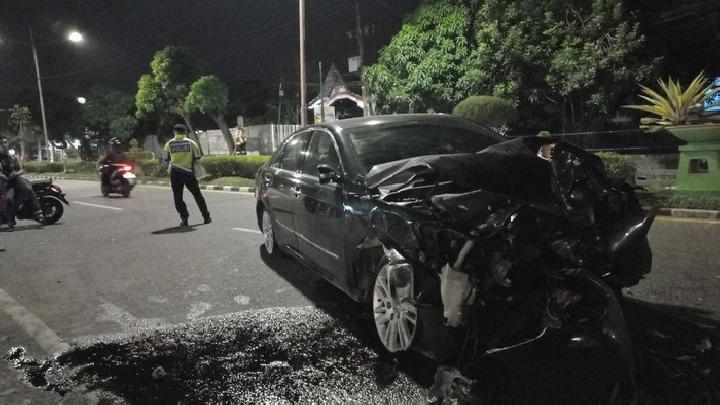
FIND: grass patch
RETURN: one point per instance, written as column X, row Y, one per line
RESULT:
column 233, row 181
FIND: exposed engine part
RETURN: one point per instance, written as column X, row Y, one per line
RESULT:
column 456, row 289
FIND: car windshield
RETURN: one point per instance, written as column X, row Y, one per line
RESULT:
column 375, row 146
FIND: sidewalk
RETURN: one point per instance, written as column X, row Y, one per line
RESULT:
column 666, row 212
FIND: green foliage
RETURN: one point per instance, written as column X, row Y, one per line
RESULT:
column 150, row 168
column 562, row 63
column 243, row 166
column 617, row 165
column 164, row 91
column 676, row 199
column 109, row 111
column 43, row 167
column 139, row 154
column 123, row 128
column 149, row 97
column 79, row 166
column 207, row 95
column 676, row 106
column 490, row 111
column 422, row 66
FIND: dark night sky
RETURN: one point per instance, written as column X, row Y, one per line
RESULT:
column 238, row 40
column 245, row 40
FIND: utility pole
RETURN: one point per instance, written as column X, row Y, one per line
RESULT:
column 280, row 95
column 320, row 94
column 42, row 102
column 361, row 52
column 303, row 89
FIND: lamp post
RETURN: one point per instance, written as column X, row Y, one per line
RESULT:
column 74, row 36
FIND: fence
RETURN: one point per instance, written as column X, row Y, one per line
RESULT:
column 265, row 138
column 627, row 141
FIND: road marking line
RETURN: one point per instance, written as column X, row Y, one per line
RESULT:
column 33, row 326
column 99, row 206
column 247, row 230
column 688, row 220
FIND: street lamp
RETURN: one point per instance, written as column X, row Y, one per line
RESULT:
column 74, row 36
column 81, row 100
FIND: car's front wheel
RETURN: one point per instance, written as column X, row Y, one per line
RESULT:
column 393, row 303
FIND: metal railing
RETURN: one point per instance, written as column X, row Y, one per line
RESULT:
column 623, row 141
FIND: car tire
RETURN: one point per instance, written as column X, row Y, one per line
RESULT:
column 268, row 231
column 392, row 302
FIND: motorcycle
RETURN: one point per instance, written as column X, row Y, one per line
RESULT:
column 121, row 180
column 50, row 198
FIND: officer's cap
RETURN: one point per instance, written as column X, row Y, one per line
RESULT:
column 179, row 129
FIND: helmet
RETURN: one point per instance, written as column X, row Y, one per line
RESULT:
column 115, row 145
column 180, row 129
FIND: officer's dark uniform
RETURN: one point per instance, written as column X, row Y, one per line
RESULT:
column 182, row 153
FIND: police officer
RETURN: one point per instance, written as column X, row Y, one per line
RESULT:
column 182, row 152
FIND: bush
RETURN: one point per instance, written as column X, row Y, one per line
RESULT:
column 140, row 154
column 150, row 168
column 79, row 166
column 681, row 199
column 490, row 111
column 43, row 167
column 617, row 165
column 223, row 166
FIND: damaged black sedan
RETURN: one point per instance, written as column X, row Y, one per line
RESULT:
column 463, row 244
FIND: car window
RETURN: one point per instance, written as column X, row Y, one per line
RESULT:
column 292, row 153
column 320, row 151
column 375, row 146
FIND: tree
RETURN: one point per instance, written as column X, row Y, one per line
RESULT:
column 26, row 133
column 165, row 89
column 562, row 63
column 209, row 95
column 108, row 111
column 421, row 67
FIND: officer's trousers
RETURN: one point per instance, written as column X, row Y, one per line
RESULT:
column 180, row 179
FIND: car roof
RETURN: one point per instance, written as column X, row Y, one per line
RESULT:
column 394, row 119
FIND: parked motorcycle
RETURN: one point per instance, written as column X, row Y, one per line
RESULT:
column 50, row 197
column 121, row 180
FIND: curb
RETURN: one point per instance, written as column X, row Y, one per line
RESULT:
column 162, row 183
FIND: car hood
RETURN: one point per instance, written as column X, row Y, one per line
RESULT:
column 511, row 168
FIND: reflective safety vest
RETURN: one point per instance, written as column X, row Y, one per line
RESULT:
column 182, row 153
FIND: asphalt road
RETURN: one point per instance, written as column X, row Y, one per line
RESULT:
column 115, row 266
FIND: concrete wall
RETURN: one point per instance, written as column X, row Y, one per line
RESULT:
column 656, row 170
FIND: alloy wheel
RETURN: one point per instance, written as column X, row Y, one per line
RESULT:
column 394, row 307
column 268, row 232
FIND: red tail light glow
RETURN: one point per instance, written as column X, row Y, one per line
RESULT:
column 128, row 168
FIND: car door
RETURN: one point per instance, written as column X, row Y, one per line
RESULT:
column 281, row 180
column 318, row 210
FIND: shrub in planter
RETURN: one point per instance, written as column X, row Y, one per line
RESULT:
column 242, row 166
column 617, row 165
column 490, row 111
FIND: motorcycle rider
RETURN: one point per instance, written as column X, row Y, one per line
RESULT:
column 10, row 172
column 115, row 155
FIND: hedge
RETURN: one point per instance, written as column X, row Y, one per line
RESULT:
column 617, row 165
column 488, row 110
column 150, row 168
column 79, row 166
column 43, row 167
column 243, row 166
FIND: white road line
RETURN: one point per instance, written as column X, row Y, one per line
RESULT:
column 99, row 206
column 247, row 230
column 689, row 220
column 33, row 326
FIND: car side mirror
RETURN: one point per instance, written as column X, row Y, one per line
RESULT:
column 327, row 173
